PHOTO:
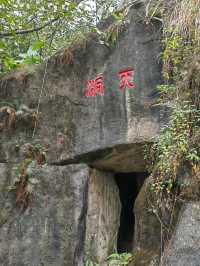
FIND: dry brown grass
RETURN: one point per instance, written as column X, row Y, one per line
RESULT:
column 185, row 18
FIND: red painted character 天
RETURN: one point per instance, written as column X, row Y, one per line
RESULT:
column 95, row 87
column 126, row 79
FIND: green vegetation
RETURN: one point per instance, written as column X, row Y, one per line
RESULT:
column 25, row 180
column 122, row 259
column 114, row 259
column 31, row 31
column 178, row 145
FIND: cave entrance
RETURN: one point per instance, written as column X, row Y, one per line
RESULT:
column 129, row 185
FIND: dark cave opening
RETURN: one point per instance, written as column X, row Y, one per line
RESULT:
column 129, row 185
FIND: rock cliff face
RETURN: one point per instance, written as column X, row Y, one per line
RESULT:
column 184, row 246
column 75, row 126
column 51, row 231
column 74, row 212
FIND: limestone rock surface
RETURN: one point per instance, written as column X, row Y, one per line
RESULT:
column 51, row 230
column 103, row 217
column 79, row 128
column 184, row 248
column 107, row 132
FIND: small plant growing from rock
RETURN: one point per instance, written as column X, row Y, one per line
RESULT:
column 122, row 259
column 25, row 179
column 114, row 30
column 114, row 259
column 7, row 117
column 90, row 263
column 11, row 116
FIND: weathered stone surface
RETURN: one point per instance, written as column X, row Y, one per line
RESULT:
column 103, row 217
column 106, row 132
column 51, row 230
column 147, row 230
column 184, row 248
column 73, row 125
column 111, row 159
column 147, row 225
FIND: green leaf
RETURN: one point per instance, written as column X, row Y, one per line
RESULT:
column 38, row 46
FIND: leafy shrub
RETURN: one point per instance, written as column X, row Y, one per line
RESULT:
column 122, row 259
column 114, row 259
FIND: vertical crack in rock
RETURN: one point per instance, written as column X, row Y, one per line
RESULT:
column 129, row 185
column 81, row 231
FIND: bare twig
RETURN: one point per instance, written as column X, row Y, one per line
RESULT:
column 18, row 32
column 40, row 96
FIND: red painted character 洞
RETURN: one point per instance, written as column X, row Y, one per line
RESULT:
column 126, row 79
column 95, row 87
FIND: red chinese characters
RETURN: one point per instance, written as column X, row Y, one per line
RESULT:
column 95, row 87
column 126, row 79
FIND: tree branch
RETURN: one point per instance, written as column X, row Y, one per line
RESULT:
column 18, row 32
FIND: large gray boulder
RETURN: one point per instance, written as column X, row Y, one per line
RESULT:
column 78, row 128
column 106, row 132
column 51, row 230
column 184, row 248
